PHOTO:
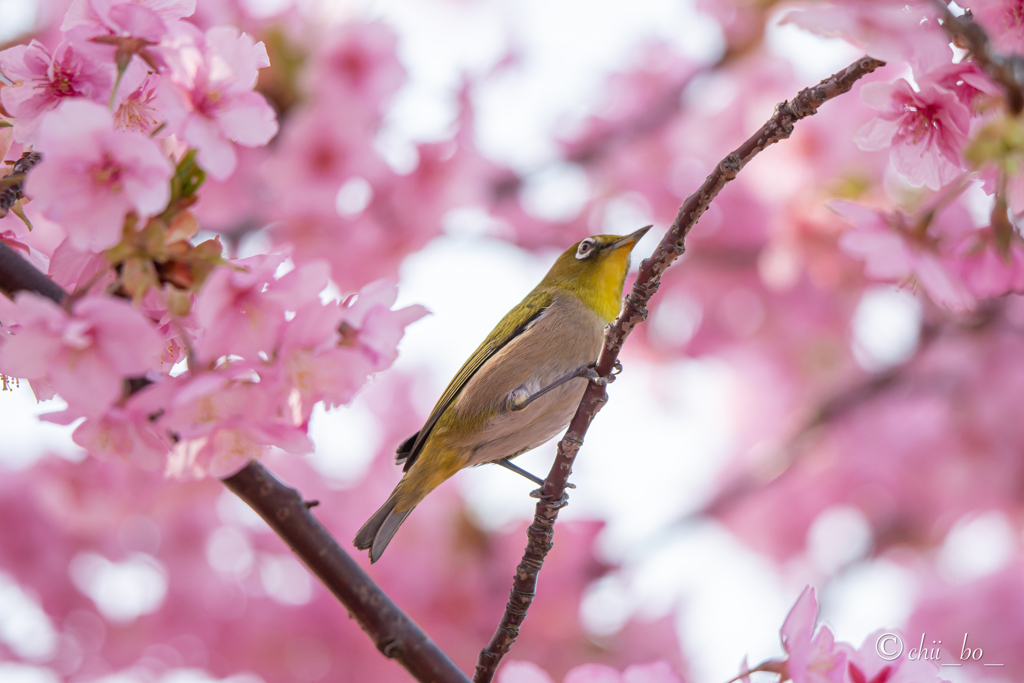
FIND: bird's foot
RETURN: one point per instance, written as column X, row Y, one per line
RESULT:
column 558, row 504
column 589, row 371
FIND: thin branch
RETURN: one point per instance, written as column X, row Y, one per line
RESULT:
column 392, row 631
column 1007, row 70
column 287, row 513
column 634, row 312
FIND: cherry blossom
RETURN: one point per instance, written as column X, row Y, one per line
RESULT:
column 892, row 32
column 98, row 13
column 1005, row 21
column 925, row 129
column 84, row 356
column 992, row 266
column 220, row 421
column 813, row 654
column 126, row 434
column 242, row 307
column 328, row 351
column 43, row 80
column 95, row 175
column 896, row 250
column 151, row 107
column 358, row 66
column 965, row 79
column 865, row 665
column 216, row 72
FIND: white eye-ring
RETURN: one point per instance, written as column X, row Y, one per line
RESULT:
column 585, row 249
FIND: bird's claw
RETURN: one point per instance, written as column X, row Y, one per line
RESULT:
column 590, row 373
column 558, row 504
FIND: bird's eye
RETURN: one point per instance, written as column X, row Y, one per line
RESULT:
column 584, row 250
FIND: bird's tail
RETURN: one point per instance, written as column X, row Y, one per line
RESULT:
column 380, row 528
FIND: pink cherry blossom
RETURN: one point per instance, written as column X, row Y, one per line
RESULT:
column 925, row 130
column 965, row 79
column 153, row 105
column 379, row 327
column 1004, row 20
column 813, row 656
column 130, row 30
column 895, row 251
column 990, row 269
column 864, row 665
column 218, row 421
column 42, row 81
column 84, row 356
column 97, row 13
column 94, row 175
column 126, row 434
column 241, row 308
column 121, row 23
column 327, row 351
column 76, row 269
column 320, row 151
column 216, row 73
column 358, row 67
column 892, row 32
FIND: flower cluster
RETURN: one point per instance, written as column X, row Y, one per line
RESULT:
column 945, row 132
column 131, row 111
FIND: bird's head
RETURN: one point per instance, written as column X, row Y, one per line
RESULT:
column 594, row 269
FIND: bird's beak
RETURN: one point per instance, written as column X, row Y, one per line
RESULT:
column 629, row 240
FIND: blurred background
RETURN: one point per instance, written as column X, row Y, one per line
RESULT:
column 781, row 420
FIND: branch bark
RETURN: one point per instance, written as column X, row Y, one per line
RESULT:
column 18, row 275
column 634, row 311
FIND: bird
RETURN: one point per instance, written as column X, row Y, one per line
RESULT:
column 520, row 387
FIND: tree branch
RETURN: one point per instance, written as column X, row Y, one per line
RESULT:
column 284, row 510
column 392, row 631
column 18, row 275
column 634, row 312
column 1006, row 70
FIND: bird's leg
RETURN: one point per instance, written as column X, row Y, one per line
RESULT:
column 585, row 371
column 504, row 462
column 507, row 464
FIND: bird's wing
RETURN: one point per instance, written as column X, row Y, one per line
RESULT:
column 510, row 327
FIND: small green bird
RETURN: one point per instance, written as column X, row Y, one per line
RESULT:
column 516, row 391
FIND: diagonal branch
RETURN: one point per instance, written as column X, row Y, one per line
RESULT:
column 282, row 507
column 392, row 631
column 634, row 312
